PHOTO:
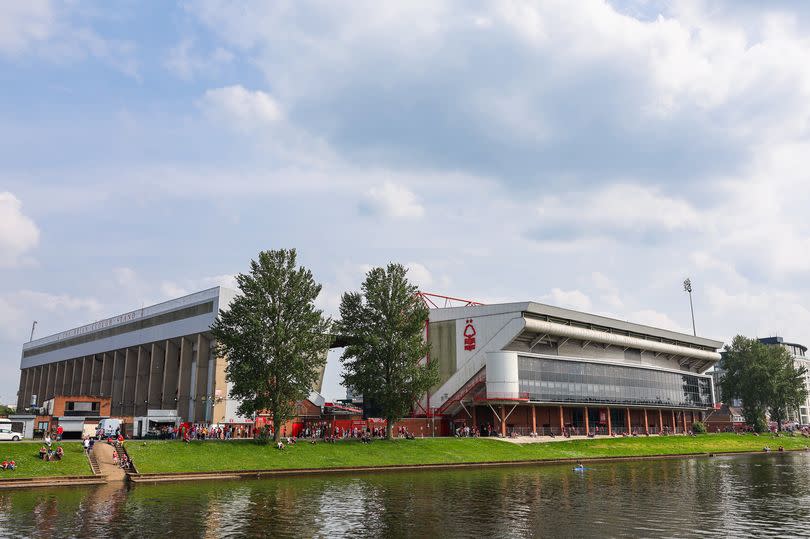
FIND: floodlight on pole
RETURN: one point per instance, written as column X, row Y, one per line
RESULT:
column 687, row 287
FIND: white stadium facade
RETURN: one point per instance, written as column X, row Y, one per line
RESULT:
column 517, row 367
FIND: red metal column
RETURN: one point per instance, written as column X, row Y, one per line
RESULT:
column 683, row 415
column 660, row 421
column 646, row 423
column 474, row 417
column 562, row 420
column 610, row 425
column 503, row 420
column 534, row 419
column 629, row 424
column 674, row 424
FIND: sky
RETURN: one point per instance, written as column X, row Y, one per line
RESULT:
column 587, row 154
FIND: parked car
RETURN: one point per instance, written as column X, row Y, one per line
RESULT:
column 6, row 434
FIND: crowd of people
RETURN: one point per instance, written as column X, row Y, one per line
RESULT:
column 198, row 431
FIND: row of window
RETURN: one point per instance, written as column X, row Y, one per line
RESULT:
column 554, row 380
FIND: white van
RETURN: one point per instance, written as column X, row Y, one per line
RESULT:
column 107, row 427
column 6, row 434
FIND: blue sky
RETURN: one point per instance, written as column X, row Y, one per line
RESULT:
column 585, row 154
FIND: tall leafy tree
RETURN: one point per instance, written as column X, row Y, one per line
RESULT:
column 273, row 336
column 385, row 323
column 764, row 378
column 789, row 389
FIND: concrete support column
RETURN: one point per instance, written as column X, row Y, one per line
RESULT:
column 97, row 376
column 629, row 423
column 130, row 380
column 646, row 423
column 610, row 423
column 202, row 402
column 142, row 381
column 503, row 421
column 21, row 390
column 107, row 365
column 534, row 419
column 93, row 388
column 58, row 378
column 117, row 383
column 184, row 380
column 50, row 379
column 587, row 422
column 171, row 377
column 156, row 372
column 42, row 383
column 84, row 388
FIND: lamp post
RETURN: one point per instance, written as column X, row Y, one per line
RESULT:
column 687, row 286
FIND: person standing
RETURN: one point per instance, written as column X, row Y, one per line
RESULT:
column 59, row 431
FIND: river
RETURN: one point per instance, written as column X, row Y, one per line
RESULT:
column 730, row 496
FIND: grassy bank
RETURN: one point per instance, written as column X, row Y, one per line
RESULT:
column 210, row 456
column 26, row 455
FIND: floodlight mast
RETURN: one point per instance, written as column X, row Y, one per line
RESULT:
column 687, row 286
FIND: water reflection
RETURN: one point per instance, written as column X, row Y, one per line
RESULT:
column 725, row 496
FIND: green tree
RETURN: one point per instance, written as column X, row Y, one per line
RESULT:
column 273, row 336
column 789, row 390
column 385, row 323
column 764, row 378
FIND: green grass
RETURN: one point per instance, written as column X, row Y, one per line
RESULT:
column 209, row 456
column 26, row 455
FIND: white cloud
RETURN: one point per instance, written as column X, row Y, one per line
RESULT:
column 392, row 200
column 185, row 62
column 419, row 275
column 619, row 208
column 60, row 33
column 571, row 299
column 53, row 313
column 656, row 319
column 171, row 289
column 24, row 23
column 18, row 233
column 241, row 108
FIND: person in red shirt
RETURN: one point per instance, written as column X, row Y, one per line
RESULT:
column 59, row 431
column 4, row 465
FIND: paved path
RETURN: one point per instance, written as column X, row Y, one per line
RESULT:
column 104, row 452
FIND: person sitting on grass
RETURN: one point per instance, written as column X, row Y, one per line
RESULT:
column 59, row 453
column 115, row 458
column 4, row 465
column 11, row 465
column 43, row 452
column 279, row 445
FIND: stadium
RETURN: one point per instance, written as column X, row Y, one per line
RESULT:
column 518, row 368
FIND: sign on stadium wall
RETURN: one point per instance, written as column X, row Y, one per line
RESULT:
column 469, row 335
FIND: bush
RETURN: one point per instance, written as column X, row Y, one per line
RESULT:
column 698, row 427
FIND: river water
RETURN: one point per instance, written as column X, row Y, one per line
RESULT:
column 733, row 496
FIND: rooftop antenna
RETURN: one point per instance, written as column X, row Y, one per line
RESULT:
column 687, row 286
column 34, row 325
